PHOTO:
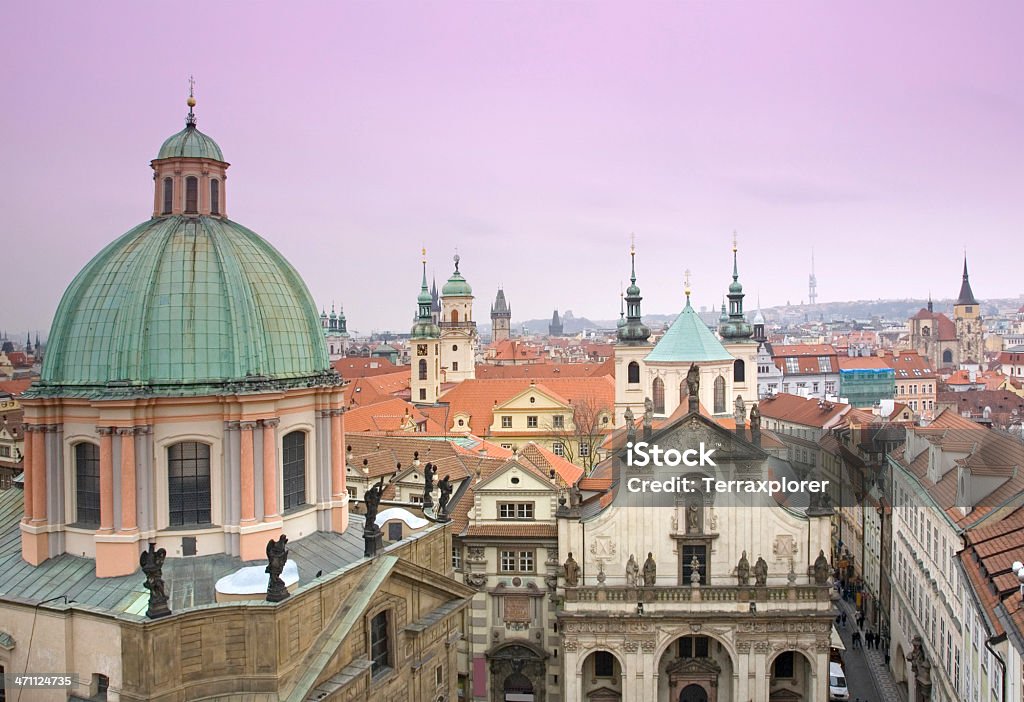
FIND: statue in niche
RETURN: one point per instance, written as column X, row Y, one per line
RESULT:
column 761, row 572
column 572, row 571
column 743, row 570
column 822, row 570
column 693, row 381
column 693, row 518
column 632, row 571
column 650, row 570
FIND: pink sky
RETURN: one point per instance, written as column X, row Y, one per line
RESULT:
column 534, row 137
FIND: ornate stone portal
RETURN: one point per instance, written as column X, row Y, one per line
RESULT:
column 684, row 673
column 515, row 667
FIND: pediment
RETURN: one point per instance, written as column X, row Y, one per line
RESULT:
column 690, row 430
column 694, row 667
column 528, row 479
column 603, row 694
column 544, row 399
column 785, row 696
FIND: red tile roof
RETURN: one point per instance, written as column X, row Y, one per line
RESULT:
column 809, row 412
column 862, row 363
column 544, row 370
column 514, row 529
column 16, row 387
column 350, row 368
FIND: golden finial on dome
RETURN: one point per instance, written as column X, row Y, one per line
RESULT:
column 734, row 241
column 632, row 244
column 686, row 283
column 423, row 252
column 191, row 102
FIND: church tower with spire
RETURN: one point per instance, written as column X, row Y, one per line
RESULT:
column 458, row 329
column 501, row 318
column 632, row 345
column 737, row 336
column 425, row 345
column 969, row 323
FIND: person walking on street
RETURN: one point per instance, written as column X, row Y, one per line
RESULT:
column 844, row 618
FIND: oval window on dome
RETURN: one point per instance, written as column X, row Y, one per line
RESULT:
column 191, row 195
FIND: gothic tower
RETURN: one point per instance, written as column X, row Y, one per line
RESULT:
column 501, row 318
column 969, row 324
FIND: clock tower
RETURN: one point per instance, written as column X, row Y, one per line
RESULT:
column 425, row 347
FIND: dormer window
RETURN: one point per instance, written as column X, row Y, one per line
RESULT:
column 168, row 195
column 215, row 197
column 191, row 195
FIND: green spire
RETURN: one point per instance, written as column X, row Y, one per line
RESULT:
column 734, row 325
column 634, row 331
column 424, row 328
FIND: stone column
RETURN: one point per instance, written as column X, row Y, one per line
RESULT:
column 129, row 511
column 38, row 475
column 269, row 469
column 248, row 473
column 106, row 479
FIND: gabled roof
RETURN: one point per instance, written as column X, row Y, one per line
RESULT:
column 688, row 340
column 478, row 398
column 807, row 411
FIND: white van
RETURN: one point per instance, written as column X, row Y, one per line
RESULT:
column 837, row 689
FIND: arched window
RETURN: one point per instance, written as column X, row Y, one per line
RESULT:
column 739, row 371
column 87, row 484
column 719, row 395
column 658, row 391
column 633, row 372
column 947, row 356
column 294, row 469
column 188, row 483
column 191, row 195
column 455, row 316
column 215, row 196
column 423, row 369
column 168, row 195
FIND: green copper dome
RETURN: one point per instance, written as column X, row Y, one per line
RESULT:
column 190, row 143
column 184, row 306
column 456, row 284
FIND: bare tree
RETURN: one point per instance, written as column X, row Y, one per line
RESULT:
column 582, row 432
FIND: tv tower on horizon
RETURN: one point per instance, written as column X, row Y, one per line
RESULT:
column 812, row 283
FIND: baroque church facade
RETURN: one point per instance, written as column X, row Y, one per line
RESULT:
column 727, row 364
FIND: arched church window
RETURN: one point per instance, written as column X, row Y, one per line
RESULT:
column 294, row 469
column 455, row 316
column 215, row 196
column 87, row 484
column 633, row 372
column 191, row 195
column 719, row 395
column 168, row 195
column 423, row 369
column 947, row 356
column 739, row 371
column 658, row 392
column 188, row 483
